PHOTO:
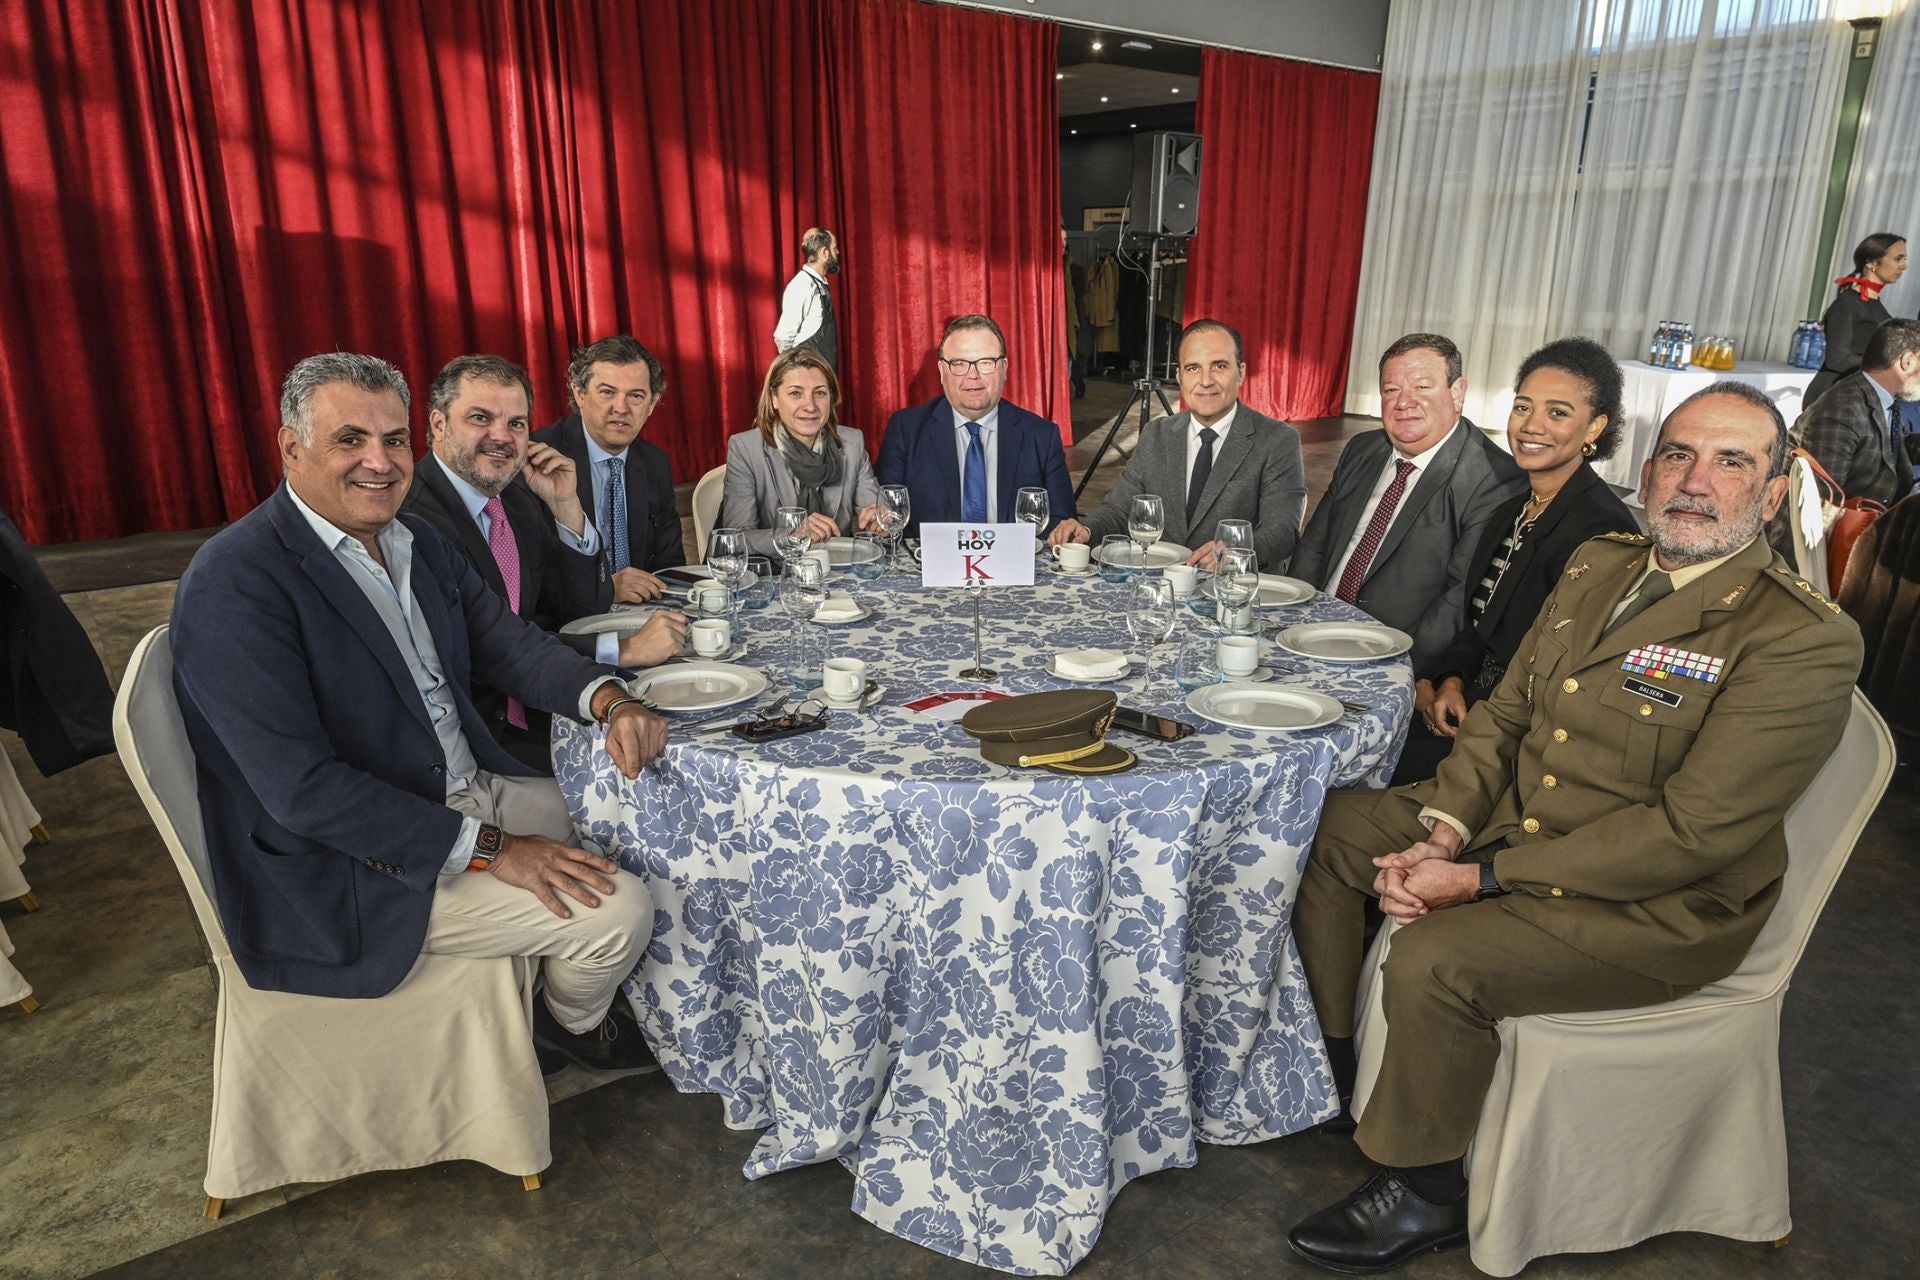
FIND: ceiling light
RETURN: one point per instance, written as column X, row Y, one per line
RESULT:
column 1176, row 89
column 1059, row 75
column 1096, row 46
column 1103, row 98
column 1142, row 45
column 1133, row 126
column 1073, row 131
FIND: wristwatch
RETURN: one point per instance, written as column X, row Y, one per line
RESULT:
column 1489, row 883
column 486, row 847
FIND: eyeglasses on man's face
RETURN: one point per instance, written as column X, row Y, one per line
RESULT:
column 961, row 368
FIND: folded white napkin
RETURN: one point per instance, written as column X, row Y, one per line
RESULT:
column 839, row 607
column 1089, row 664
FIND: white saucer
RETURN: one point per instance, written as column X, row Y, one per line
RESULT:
column 1115, row 678
column 1087, row 572
column 1260, row 675
column 854, row 704
column 861, row 615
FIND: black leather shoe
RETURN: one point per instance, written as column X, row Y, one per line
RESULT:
column 552, row 1061
column 1378, row 1227
column 615, row 1045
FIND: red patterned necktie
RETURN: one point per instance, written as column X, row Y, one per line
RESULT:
column 506, row 554
column 1362, row 557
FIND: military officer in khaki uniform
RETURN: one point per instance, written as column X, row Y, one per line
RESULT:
column 1607, row 830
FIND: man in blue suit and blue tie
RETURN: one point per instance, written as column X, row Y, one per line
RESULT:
column 964, row 455
column 357, row 811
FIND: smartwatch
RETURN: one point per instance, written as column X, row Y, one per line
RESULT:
column 486, row 847
column 1489, row 883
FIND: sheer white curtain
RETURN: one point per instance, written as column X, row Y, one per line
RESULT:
column 1883, row 193
column 1705, row 168
column 1474, row 162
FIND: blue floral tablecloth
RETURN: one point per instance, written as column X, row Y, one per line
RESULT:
column 996, row 995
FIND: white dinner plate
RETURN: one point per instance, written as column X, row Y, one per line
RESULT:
column 1344, row 641
column 699, row 685
column 842, row 552
column 1247, row 706
column 1121, row 674
column 1275, row 590
column 1159, row 555
column 620, row 621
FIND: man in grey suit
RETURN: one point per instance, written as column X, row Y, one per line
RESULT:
column 1216, row 460
column 1396, row 531
column 1852, row 430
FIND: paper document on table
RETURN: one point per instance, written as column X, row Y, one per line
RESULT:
column 994, row 555
column 951, row 706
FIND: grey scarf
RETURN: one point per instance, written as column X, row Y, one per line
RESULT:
column 814, row 471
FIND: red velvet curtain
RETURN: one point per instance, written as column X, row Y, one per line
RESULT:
column 1283, row 204
column 201, row 192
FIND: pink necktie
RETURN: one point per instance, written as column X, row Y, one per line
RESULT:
column 1362, row 557
column 506, row 554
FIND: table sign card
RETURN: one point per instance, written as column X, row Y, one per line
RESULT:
column 992, row 555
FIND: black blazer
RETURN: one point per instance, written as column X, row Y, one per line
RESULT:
column 53, row 691
column 1849, row 321
column 1419, row 579
column 918, row 451
column 1585, row 508
column 653, row 521
column 557, row 585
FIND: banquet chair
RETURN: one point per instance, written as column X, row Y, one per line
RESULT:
column 14, row 989
column 1601, row 1130
column 706, row 507
column 19, row 827
column 1881, row 592
column 1809, row 534
column 312, row 1088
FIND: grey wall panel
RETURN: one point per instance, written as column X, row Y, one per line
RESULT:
column 1346, row 33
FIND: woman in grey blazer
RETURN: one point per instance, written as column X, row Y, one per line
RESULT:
column 796, row 456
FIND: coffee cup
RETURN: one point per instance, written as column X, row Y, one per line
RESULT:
column 843, row 679
column 709, row 597
column 1239, row 656
column 1181, row 578
column 1073, row 557
column 711, row 636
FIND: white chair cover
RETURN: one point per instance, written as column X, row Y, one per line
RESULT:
column 18, row 818
column 1602, row 1130
column 707, row 494
column 311, row 1089
column 13, row 987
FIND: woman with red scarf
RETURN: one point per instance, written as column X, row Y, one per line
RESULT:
column 1856, row 311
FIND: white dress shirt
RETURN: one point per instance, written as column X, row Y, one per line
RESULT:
column 800, row 309
column 1380, row 484
column 1194, row 428
column 990, row 445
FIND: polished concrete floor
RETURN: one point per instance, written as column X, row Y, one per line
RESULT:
column 104, row 1096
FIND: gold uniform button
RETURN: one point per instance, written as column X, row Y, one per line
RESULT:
column 1646, row 708
column 1530, row 826
column 1570, row 685
column 1559, row 735
column 1549, row 782
column 1558, row 892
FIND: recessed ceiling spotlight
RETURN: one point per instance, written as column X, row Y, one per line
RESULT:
column 1103, row 98
column 1073, row 131
column 1059, row 75
column 1133, row 126
column 1142, row 45
column 1176, row 89
column 1097, row 46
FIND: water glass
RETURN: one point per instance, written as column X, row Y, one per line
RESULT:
column 1116, row 554
column 760, row 594
column 893, row 511
column 866, row 563
column 1030, row 506
column 1234, row 533
column 1196, row 666
column 787, row 535
column 1151, row 615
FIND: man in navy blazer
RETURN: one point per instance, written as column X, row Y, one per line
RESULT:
column 357, row 813
column 964, row 455
column 484, row 477
column 616, row 384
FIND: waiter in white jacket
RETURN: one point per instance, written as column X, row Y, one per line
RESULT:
column 806, row 309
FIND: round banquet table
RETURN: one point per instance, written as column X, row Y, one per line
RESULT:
column 996, row 995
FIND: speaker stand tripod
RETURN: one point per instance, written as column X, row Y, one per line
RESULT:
column 1145, row 390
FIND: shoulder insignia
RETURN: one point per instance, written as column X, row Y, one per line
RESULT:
column 1802, row 590
column 1633, row 539
column 1578, row 570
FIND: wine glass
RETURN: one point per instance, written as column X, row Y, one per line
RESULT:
column 1146, row 521
column 1233, row 533
column 1030, row 506
column 893, row 511
column 789, row 535
column 802, row 592
column 1151, row 615
column 727, row 561
column 1236, row 584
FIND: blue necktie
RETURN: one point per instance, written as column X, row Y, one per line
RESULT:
column 973, row 485
column 615, row 526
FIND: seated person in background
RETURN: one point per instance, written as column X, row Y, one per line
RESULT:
column 1629, row 827
column 625, row 483
column 964, row 455
column 509, row 505
column 796, row 455
column 357, row 812
column 1566, row 411
column 1215, row 460
column 1396, row 530
column 1858, row 430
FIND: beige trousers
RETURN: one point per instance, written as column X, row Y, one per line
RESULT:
column 587, row 956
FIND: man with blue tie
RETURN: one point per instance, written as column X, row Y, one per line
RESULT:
column 625, row 483
column 965, row 454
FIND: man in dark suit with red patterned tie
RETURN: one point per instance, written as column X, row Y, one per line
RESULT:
column 512, row 509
